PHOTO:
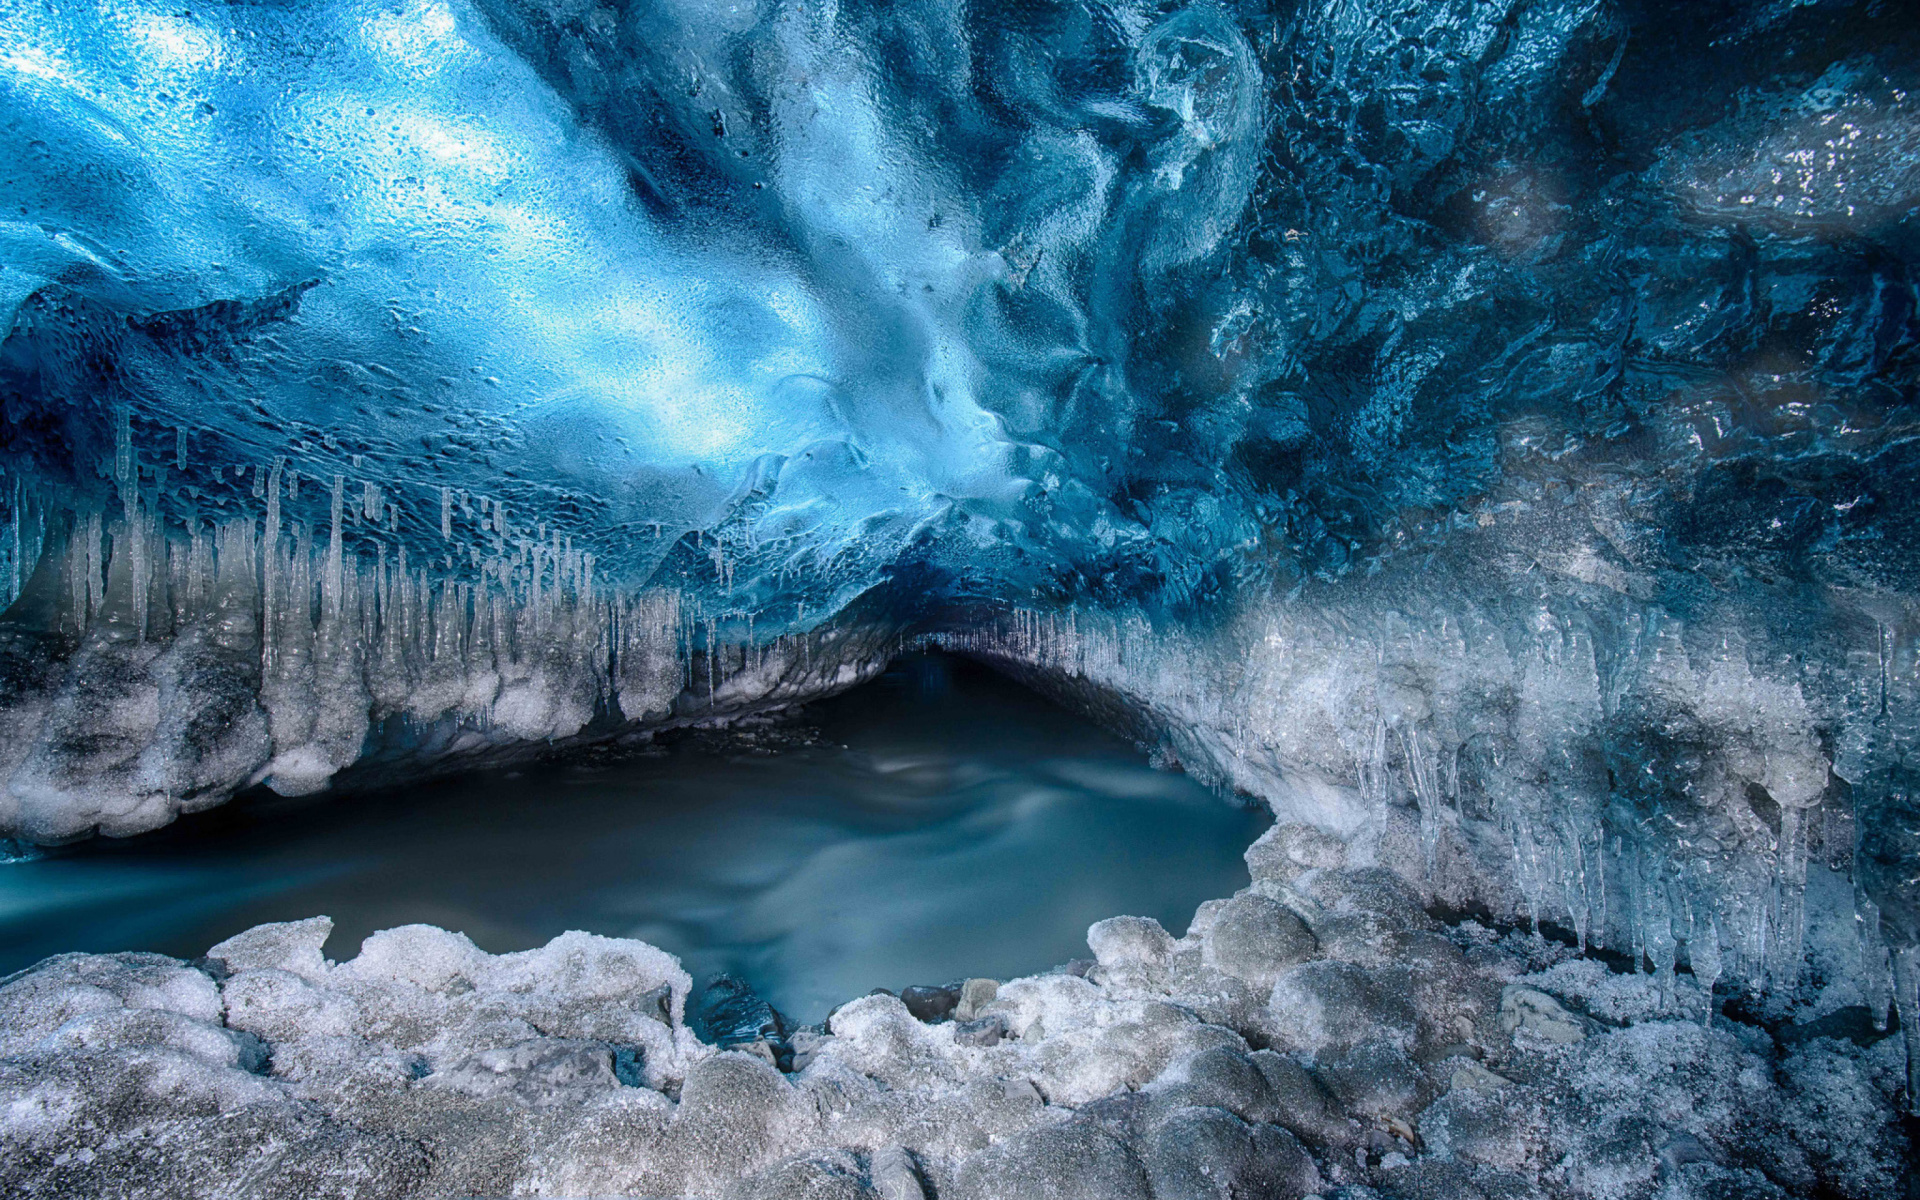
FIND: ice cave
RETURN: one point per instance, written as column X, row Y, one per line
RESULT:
column 960, row 599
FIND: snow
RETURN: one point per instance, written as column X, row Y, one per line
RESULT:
column 436, row 1069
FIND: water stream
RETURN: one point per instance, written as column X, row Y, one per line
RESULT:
column 938, row 823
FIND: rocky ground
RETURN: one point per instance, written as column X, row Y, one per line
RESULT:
column 1318, row 1034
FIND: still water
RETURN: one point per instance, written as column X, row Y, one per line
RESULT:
column 938, row 823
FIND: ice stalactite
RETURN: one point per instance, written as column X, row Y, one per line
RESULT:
column 1718, row 886
column 178, row 656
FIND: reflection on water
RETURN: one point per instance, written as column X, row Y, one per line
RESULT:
column 946, row 823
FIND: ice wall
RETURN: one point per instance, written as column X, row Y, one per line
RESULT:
column 1484, row 425
column 150, row 671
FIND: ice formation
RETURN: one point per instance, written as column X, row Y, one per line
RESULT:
column 1316, row 1034
column 1482, row 430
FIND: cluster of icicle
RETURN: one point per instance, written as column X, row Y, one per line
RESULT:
column 156, row 663
column 1335, row 721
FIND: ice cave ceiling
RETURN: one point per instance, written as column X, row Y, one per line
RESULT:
column 1122, row 300
column 1493, row 422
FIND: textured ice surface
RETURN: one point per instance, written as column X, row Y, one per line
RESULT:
column 1455, row 1064
column 1482, row 430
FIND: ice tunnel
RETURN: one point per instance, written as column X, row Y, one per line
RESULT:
column 1484, row 433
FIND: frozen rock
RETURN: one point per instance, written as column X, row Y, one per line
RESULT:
column 1075, row 1160
column 1302, row 1105
column 930, row 1003
column 1222, row 1077
column 1219, row 329
column 1326, row 1008
column 129, row 1028
column 539, row 1072
column 975, row 994
column 1131, row 949
column 895, row 1176
column 1256, row 939
column 1470, row 1075
column 38, row 1002
column 818, row 1175
column 983, row 1031
column 283, row 1007
column 1503, row 1127
column 1377, row 1080
column 1204, row 1153
column 1285, row 852
column 428, row 1068
column 292, row 946
column 1533, row 1012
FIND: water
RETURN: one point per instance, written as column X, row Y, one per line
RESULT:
column 943, row 822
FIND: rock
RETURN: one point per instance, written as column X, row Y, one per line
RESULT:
column 1077, row 1160
column 817, row 1175
column 1326, row 1008
column 1255, row 939
column 1504, row 1128
column 427, row 957
column 1377, row 1080
column 1302, row 1105
column 1365, row 916
column 1285, row 852
column 1126, row 946
column 539, row 1072
column 1221, row 1077
column 37, row 1002
column 125, row 1028
column 806, row 1044
column 737, row 1115
column 1535, row 1012
column 930, row 1004
column 281, row 1006
column 730, row 1013
column 1470, row 1075
column 292, row 946
column 975, row 994
column 985, row 1031
column 878, row 1037
column 761, row 1049
column 1427, row 1179
column 1196, row 1153
column 895, row 1175
column 1681, row 1150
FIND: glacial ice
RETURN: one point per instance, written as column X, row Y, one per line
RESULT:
column 1164, row 1068
column 1482, row 430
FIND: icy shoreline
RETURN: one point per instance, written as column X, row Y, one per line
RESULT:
column 1316, row 1034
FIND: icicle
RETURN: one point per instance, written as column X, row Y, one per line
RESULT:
column 446, row 513
column 126, row 474
column 1660, row 940
column 96, row 576
column 1875, row 969
column 1426, row 791
column 1789, row 893
column 1906, row 997
column 335, row 585
column 1703, row 954
column 1583, row 911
